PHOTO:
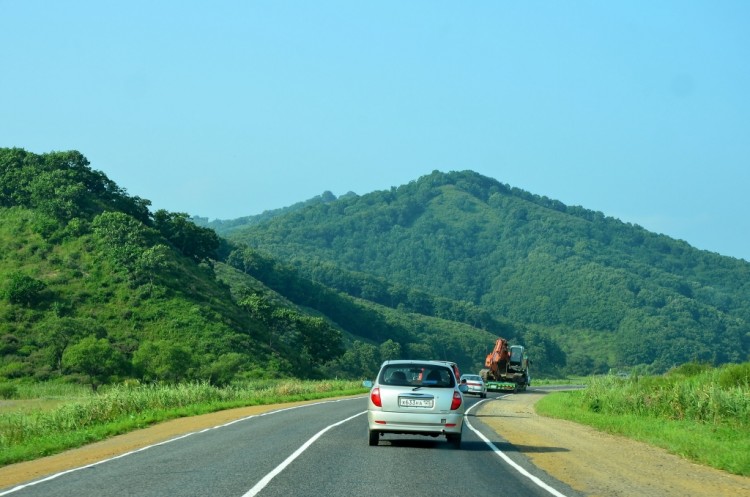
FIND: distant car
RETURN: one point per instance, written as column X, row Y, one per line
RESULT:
column 475, row 383
column 416, row 397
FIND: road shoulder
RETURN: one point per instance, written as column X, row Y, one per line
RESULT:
column 597, row 464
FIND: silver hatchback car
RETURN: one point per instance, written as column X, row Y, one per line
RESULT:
column 416, row 397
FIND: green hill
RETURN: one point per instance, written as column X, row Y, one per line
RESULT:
column 95, row 287
column 610, row 294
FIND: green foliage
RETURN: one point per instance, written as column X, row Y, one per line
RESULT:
column 464, row 247
column 8, row 390
column 62, row 185
column 312, row 339
column 437, row 268
column 79, row 258
column 697, row 396
column 163, row 361
column 691, row 411
column 690, row 369
column 96, row 359
column 124, row 239
column 735, row 376
column 193, row 241
column 123, row 408
column 22, row 289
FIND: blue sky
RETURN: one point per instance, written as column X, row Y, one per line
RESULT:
column 637, row 109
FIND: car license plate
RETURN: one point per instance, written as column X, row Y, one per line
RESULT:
column 411, row 402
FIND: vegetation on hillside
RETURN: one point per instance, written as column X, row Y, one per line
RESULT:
column 96, row 287
column 464, row 247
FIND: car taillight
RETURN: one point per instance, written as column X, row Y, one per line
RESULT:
column 375, row 397
column 456, row 401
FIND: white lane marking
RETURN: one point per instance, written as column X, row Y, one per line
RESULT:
column 56, row 475
column 278, row 469
column 507, row 459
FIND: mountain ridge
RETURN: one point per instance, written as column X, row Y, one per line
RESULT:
column 438, row 267
column 466, row 237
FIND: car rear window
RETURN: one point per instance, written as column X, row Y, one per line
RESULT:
column 417, row 375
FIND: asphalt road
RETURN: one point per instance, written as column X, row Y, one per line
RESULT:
column 317, row 449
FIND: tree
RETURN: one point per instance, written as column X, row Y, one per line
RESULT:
column 94, row 358
column 57, row 333
column 124, row 239
column 23, row 289
column 192, row 240
column 390, row 350
column 57, row 194
column 225, row 368
column 150, row 262
column 321, row 340
column 163, row 361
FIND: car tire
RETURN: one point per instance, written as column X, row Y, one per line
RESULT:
column 454, row 440
column 374, row 437
column 483, row 395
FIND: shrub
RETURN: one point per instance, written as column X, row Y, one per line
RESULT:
column 8, row 391
column 23, row 289
column 735, row 375
column 690, row 369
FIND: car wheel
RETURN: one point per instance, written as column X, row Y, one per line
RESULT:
column 454, row 440
column 483, row 395
column 374, row 437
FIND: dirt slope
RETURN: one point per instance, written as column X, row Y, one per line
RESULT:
column 591, row 462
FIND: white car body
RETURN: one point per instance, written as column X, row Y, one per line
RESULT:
column 428, row 400
column 475, row 383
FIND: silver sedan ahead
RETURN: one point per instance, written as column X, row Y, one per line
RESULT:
column 416, row 397
column 475, row 383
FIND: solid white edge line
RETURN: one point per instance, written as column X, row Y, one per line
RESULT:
column 507, row 459
column 278, row 469
column 61, row 473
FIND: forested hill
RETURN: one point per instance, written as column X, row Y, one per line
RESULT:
column 96, row 287
column 611, row 294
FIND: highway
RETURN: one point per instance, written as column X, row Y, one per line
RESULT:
column 316, row 449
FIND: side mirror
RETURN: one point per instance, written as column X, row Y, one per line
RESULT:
column 367, row 384
column 463, row 388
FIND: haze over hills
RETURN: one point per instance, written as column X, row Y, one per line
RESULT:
column 95, row 286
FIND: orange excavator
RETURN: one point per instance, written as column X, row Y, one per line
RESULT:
column 506, row 368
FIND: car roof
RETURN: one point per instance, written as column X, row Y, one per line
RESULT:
column 414, row 361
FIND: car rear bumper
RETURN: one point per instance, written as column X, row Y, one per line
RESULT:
column 419, row 423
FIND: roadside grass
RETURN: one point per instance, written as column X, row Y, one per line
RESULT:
column 545, row 382
column 79, row 419
column 700, row 417
column 29, row 397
